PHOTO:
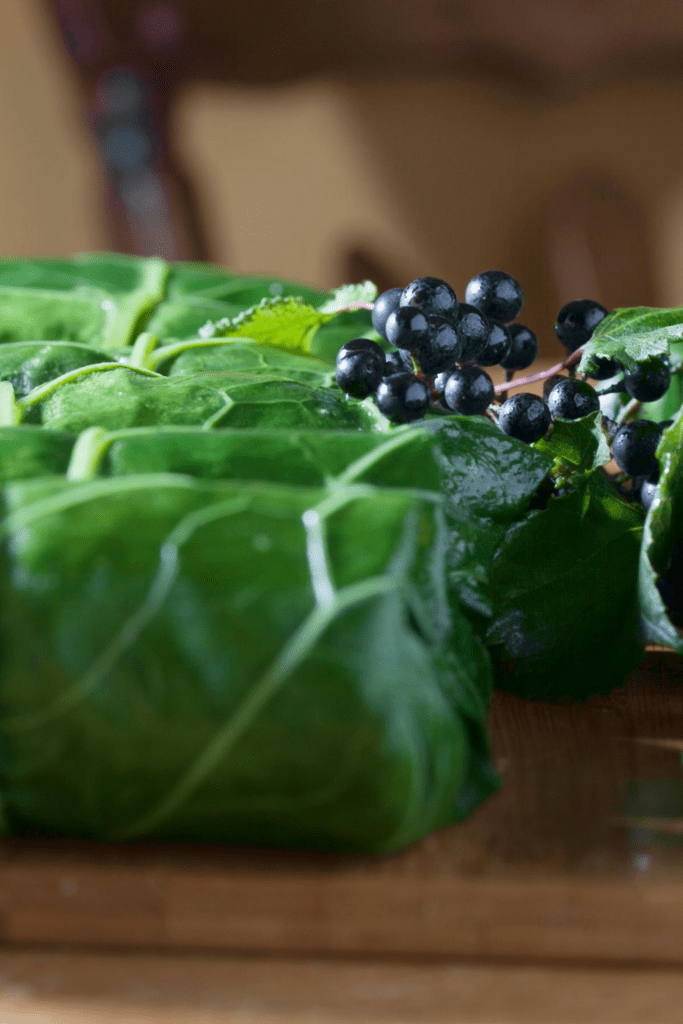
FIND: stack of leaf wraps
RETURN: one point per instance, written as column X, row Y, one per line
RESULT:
column 240, row 607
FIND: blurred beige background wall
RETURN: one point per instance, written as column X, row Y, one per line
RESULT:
column 47, row 167
column 317, row 180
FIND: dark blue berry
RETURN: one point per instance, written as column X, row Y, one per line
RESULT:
column 495, row 294
column 442, row 348
column 407, row 328
column 432, row 295
column 523, row 348
column 576, row 322
column 357, row 345
column 360, row 366
column 441, row 378
column 497, row 347
column 474, row 331
column 469, row 390
column 550, row 383
column 649, row 381
column 604, row 368
column 524, row 416
column 385, row 304
column 402, row 397
column 398, row 361
column 571, row 399
column 634, row 446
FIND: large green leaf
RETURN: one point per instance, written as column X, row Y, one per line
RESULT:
column 231, row 665
column 467, row 459
column 309, row 458
column 663, row 530
column 415, row 640
column 440, row 456
column 201, row 355
column 31, row 451
column 96, row 299
column 230, row 589
column 111, row 396
column 107, row 272
column 488, row 480
column 28, row 364
column 565, row 585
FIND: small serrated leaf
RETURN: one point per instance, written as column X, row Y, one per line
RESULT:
column 286, row 323
column 349, row 294
column 581, row 443
column 633, row 335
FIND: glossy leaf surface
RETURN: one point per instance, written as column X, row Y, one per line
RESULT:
column 565, row 585
column 287, row 710
column 662, row 531
column 226, row 612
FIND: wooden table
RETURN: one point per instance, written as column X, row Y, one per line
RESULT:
column 560, row 899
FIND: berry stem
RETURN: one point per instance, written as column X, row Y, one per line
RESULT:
column 629, row 410
column 572, row 358
column 610, row 427
column 509, row 374
column 429, row 381
column 616, row 389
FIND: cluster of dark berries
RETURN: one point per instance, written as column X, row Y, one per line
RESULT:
column 441, row 347
column 634, row 443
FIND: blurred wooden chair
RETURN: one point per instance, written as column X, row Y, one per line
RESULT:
column 132, row 58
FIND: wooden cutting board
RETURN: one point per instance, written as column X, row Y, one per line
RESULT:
column 578, row 857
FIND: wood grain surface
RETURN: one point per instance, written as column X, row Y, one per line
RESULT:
column 577, row 858
column 58, row 988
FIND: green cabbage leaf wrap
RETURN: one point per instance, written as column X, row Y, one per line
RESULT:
column 239, row 606
column 235, row 605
